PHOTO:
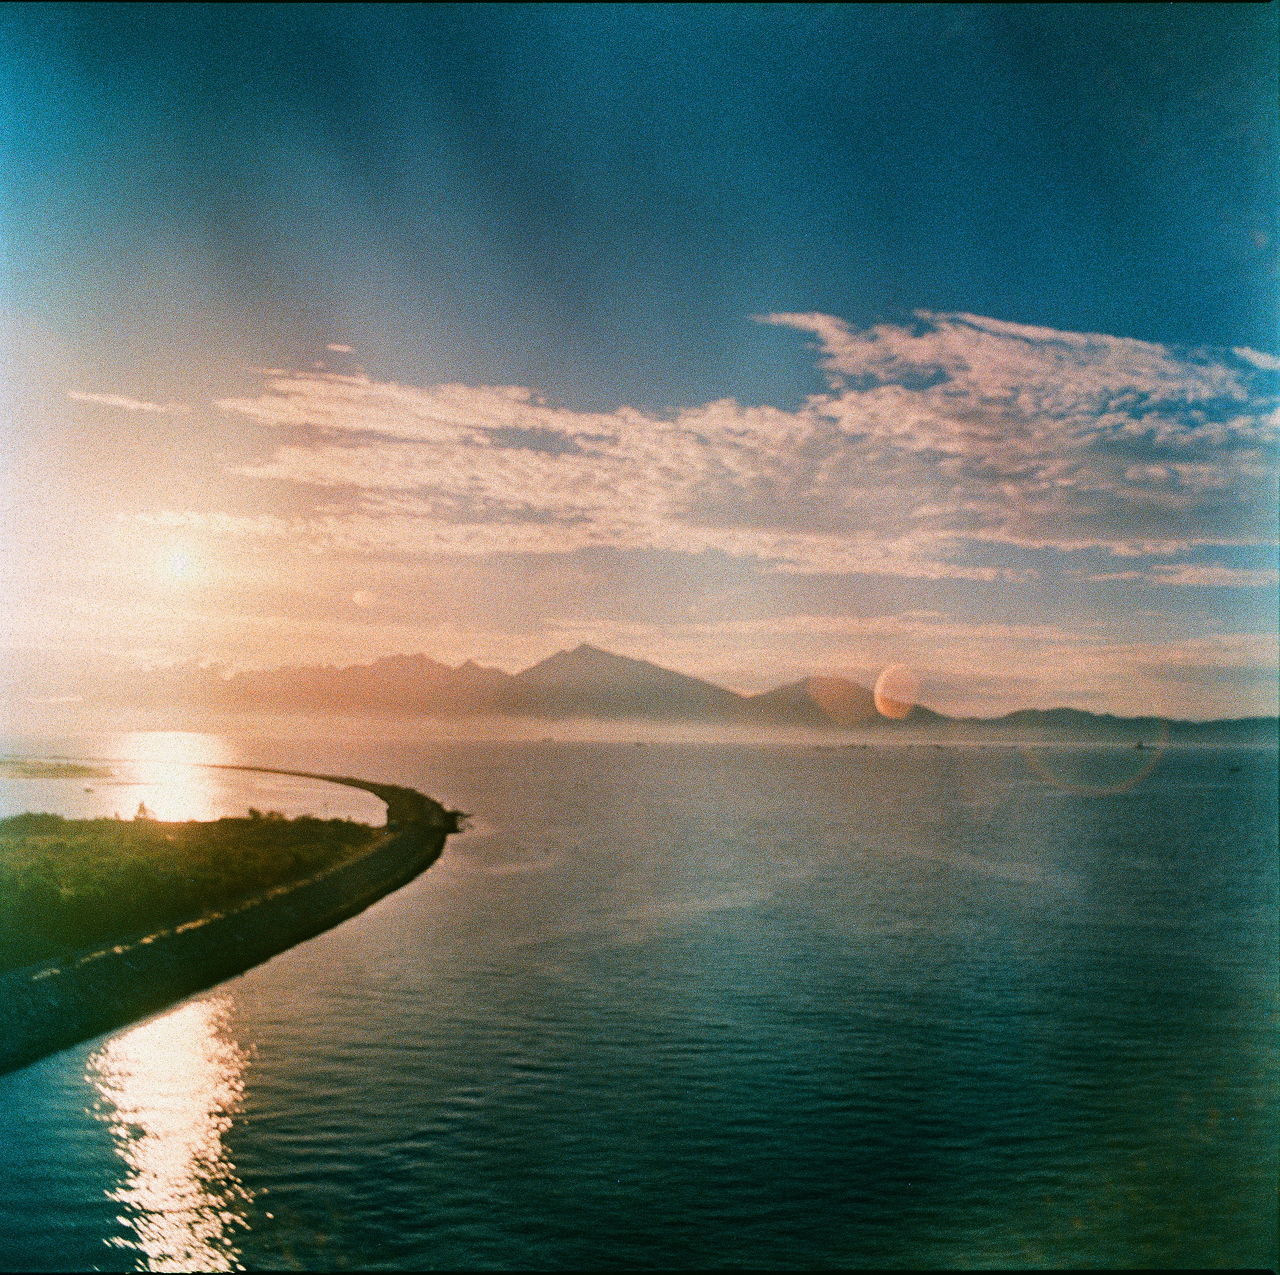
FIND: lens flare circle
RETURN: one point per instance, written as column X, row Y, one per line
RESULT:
column 897, row 691
column 1150, row 756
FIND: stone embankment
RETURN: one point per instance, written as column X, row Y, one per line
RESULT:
column 50, row 1006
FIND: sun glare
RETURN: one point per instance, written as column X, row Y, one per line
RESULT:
column 179, row 565
column 160, row 779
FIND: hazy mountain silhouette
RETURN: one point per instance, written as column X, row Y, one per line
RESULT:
column 412, row 685
column 1076, row 723
column 590, row 683
column 817, row 701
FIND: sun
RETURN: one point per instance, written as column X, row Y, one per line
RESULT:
column 180, row 565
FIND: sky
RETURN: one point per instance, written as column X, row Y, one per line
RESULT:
column 756, row 340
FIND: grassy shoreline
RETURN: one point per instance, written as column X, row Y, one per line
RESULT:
column 70, row 884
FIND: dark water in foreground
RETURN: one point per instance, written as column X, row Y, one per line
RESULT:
column 709, row 1006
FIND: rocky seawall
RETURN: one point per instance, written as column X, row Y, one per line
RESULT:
column 53, row 1005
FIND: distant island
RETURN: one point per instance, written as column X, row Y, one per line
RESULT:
column 32, row 768
column 588, row 683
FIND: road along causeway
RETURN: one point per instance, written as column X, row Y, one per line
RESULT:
column 53, row 1005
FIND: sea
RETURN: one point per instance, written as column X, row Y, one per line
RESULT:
column 686, row 1005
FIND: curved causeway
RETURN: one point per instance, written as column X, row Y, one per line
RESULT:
column 53, row 1005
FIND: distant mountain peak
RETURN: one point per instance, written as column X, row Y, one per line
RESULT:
column 469, row 669
column 587, row 651
column 589, row 681
column 585, row 657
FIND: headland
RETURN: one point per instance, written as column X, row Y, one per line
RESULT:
column 52, row 1004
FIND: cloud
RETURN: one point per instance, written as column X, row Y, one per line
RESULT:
column 1059, row 439
column 1259, row 359
column 919, row 637
column 257, row 526
column 124, row 403
column 940, row 449
column 339, row 349
column 1192, row 575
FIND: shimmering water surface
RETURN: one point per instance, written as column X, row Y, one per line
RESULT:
column 701, row 1005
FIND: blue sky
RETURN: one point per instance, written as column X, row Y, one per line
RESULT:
column 1058, row 222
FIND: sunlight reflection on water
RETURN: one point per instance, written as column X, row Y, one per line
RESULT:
column 169, row 787
column 169, row 1090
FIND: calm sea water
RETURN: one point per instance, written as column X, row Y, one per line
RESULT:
column 674, row 1006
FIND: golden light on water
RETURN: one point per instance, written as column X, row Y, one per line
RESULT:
column 169, row 1090
column 165, row 782
column 897, row 691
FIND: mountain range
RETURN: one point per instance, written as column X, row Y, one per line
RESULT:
column 590, row 683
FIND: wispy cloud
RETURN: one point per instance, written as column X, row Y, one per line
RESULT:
column 126, row 404
column 1060, row 439
column 1197, row 576
column 257, row 526
column 933, row 440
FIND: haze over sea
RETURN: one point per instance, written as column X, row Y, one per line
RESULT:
column 680, row 1005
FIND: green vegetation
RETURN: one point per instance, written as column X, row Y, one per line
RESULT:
column 67, row 884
